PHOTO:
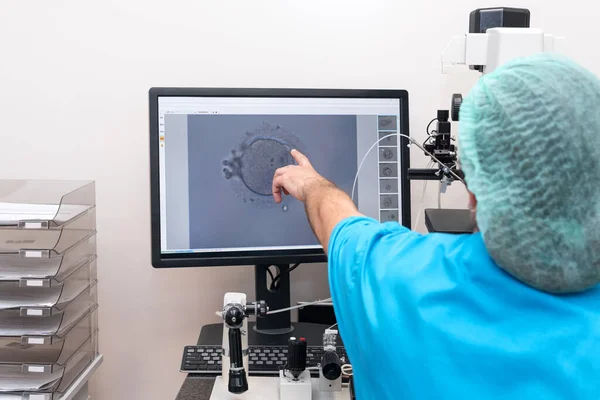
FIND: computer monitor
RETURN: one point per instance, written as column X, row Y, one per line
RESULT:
column 214, row 152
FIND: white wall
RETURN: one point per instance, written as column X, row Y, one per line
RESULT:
column 74, row 77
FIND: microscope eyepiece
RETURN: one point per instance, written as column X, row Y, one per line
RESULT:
column 457, row 100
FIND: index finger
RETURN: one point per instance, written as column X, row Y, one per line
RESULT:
column 277, row 187
column 300, row 158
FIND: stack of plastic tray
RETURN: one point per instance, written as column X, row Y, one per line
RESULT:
column 48, row 287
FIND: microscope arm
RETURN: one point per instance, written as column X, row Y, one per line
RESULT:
column 238, row 383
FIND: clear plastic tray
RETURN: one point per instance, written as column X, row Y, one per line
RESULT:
column 46, row 264
column 14, row 323
column 45, row 215
column 20, row 381
column 43, row 297
column 49, row 349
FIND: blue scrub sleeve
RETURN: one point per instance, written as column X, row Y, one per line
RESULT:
column 365, row 271
column 356, row 240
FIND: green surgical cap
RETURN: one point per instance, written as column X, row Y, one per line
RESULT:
column 529, row 145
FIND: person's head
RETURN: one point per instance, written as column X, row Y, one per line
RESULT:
column 529, row 145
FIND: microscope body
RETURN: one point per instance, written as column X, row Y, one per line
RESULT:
column 496, row 36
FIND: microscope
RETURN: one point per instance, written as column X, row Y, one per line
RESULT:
column 496, row 36
column 294, row 382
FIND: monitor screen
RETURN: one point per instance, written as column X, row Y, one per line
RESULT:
column 213, row 157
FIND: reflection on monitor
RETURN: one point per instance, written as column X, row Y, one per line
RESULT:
column 214, row 154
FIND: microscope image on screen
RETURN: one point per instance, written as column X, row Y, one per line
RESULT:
column 230, row 161
column 251, row 165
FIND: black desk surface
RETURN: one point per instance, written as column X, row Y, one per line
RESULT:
column 198, row 387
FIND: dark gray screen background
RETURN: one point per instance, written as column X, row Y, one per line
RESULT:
column 220, row 219
column 177, row 220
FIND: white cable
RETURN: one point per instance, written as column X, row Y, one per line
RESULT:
column 332, row 326
column 299, row 306
column 412, row 141
column 363, row 161
column 347, row 369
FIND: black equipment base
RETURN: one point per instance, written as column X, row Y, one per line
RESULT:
column 449, row 221
column 212, row 334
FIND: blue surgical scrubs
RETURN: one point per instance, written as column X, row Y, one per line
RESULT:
column 432, row 317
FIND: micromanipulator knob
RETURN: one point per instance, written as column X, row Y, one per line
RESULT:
column 331, row 365
column 296, row 359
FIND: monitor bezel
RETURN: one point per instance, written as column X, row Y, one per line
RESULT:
column 272, row 257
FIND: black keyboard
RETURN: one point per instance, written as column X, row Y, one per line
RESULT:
column 263, row 360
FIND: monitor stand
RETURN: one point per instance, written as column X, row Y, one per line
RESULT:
column 274, row 329
column 280, row 323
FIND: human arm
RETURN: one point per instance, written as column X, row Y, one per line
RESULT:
column 325, row 204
